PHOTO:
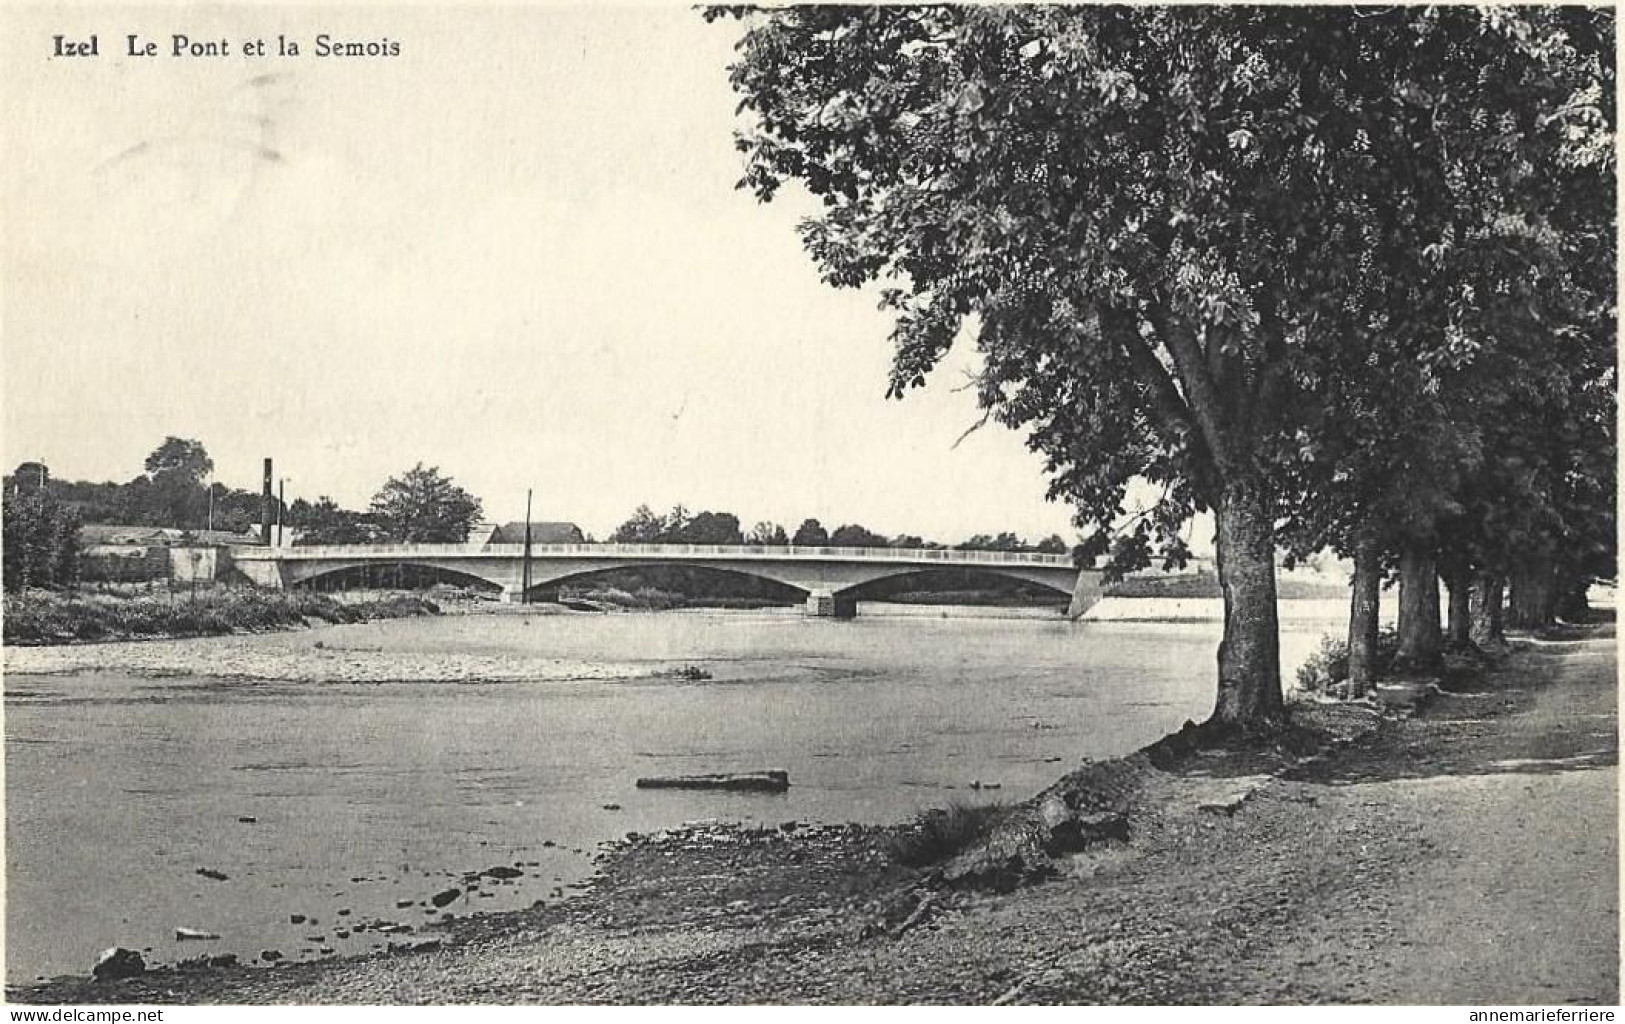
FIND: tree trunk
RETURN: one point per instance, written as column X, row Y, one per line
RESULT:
column 1534, row 597
column 1487, row 630
column 1421, row 643
column 1459, row 631
column 1249, row 696
column 1573, row 604
column 1364, row 606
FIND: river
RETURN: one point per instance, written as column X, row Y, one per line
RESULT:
column 316, row 798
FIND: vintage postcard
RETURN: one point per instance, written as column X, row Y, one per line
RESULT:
column 658, row 505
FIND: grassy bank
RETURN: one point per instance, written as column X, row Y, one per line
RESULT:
column 42, row 617
column 1206, row 585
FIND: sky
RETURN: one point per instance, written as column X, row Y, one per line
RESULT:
column 515, row 252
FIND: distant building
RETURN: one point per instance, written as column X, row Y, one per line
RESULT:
column 540, row 533
column 146, row 553
column 103, row 534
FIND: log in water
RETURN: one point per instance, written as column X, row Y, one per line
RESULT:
column 773, row 780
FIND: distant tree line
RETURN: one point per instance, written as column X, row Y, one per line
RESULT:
column 43, row 514
column 679, row 526
column 170, row 493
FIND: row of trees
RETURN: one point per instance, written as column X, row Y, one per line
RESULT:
column 1343, row 276
column 679, row 526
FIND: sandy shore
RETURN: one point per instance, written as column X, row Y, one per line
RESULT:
column 1360, row 876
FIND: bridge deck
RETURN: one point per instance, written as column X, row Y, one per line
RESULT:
column 831, row 576
column 387, row 552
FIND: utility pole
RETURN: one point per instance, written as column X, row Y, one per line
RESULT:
column 524, row 593
column 279, row 507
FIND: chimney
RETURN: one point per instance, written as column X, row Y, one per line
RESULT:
column 265, row 507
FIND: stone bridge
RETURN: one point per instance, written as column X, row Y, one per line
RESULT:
column 832, row 578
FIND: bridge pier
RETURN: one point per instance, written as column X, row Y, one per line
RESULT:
column 1086, row 593
column 512, row 593
column 824, row 604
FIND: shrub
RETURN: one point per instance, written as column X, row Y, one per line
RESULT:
column 43, row 617
column 938, row 834
column 396, row 606
column 690, row 673
column 1329, row 665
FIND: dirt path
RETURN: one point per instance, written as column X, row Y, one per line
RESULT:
column 1466, row 855
column 1512, row 794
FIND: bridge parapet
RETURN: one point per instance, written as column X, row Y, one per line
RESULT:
column 927, row 556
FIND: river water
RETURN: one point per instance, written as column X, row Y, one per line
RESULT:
column 363, row 796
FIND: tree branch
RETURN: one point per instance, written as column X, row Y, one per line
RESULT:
column 1167, row 403
column 1206, row 405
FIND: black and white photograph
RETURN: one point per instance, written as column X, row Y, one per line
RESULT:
column 655, row 505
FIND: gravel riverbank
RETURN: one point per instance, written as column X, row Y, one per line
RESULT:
column 1359, row 876
column 321, row 654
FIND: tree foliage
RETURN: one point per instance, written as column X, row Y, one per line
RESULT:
column 179, row 459
column 325, row 522
column 644, row 527
column 709, row 528
column 852, row 535
column 1168, row 228
column 768, row 534
column 424, row 506
column 170, row 494
column 40, row 545
column 810, row 533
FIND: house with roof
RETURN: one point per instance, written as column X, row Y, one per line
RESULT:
column 540, row 533
column 133, row 553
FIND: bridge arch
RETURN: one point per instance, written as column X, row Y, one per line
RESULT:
column 829, row 577
column 364, row 575
column 878, row 587
column 655, row 573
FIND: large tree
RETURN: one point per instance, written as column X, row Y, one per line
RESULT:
column 707, row 528
column 422, row 505
column 854, row 535
column 810, row 533
column 179, row 458
column 644, row 527
column 768, row 534
column 1154, row 220
column 171, row 493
